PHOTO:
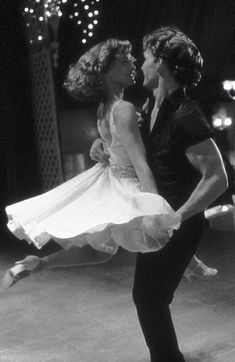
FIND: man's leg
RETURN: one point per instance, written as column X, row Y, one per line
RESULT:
column 156, row 278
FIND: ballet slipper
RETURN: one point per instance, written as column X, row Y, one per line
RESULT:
column 201, row 271
column 21, row 269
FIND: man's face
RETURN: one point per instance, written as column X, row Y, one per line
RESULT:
column 150, row 70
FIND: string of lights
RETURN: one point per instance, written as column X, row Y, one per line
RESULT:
column 83, row 12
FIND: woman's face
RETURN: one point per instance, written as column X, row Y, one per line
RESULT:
column 122, row 72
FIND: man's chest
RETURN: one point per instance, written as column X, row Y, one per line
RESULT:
column 153, row 117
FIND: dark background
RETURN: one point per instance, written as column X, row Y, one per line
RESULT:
column 210, row 24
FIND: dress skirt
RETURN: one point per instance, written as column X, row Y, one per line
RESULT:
column 101, row 207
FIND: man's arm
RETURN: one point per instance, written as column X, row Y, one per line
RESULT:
column 98, row 152
column 206, row 158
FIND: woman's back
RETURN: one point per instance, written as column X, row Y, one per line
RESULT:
column 110, row 135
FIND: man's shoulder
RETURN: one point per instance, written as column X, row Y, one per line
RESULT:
column 189, row 109
column 188, row 105
column 190, row 122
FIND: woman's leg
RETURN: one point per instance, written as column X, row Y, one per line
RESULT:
column 198, row 269
column 73, row 256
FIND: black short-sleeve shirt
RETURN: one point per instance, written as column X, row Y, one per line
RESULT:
column 180, row 124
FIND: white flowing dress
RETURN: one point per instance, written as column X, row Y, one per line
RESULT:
column 103, row 207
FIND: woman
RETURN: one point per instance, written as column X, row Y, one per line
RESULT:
column 110, row 205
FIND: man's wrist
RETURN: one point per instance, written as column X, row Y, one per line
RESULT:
column 183, row 214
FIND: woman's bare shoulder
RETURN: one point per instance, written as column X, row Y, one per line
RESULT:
column 125, row 112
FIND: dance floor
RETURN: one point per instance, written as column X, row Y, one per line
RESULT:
column 86, row 314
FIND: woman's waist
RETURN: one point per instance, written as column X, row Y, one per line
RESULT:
column 120, row 162
column 122, row 170
column 119, row 157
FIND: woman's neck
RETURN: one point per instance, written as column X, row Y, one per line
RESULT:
column 113, row 93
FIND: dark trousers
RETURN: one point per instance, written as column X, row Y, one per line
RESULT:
column 157, row 276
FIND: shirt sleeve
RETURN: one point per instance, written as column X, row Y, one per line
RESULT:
column 190, row 127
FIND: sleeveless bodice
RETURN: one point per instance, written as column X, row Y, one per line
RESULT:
column 119, row 158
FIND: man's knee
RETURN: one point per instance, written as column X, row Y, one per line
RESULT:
column 151, row 298
column 136, row 295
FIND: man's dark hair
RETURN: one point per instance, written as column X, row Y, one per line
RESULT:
column 178, row 51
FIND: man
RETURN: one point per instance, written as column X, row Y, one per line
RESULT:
column 189, row 174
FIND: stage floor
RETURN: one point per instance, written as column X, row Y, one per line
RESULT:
column 86, row 314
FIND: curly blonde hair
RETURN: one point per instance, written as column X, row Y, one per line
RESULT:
column 85, row 79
